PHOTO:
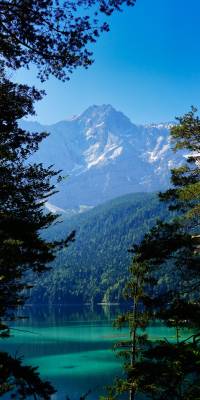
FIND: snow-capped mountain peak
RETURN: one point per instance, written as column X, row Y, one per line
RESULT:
column 105, row 155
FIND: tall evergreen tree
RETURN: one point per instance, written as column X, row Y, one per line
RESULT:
column 24, row 188
column 171, row 369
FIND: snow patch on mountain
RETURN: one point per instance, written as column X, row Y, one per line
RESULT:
column 116, row 153
column 159, row 150
column 99, row 154
column 54, row 209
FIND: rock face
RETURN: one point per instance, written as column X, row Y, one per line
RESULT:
column 104, row 155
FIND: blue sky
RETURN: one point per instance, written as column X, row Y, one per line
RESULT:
column 147, row 66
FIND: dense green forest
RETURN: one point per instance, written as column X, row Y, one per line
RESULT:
column 95, row 266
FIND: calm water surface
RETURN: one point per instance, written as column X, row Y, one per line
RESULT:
column 72, row 346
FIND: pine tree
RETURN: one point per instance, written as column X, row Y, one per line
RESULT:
column 171, row 369
column 136, row 319
column 24, row 188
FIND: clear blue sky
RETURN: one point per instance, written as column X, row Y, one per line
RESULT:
column 147, row 66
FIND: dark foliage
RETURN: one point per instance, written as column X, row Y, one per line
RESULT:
column 56, row 35
column 22, row 381
column 24, row 188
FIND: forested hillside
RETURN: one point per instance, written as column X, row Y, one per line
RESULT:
column 94, row 267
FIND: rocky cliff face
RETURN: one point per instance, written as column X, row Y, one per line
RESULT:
column 104, row 155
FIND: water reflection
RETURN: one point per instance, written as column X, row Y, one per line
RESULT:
column 55, row 314
column 72, row 345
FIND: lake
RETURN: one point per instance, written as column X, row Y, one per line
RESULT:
column 72, row 346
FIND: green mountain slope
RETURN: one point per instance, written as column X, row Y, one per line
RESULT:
column 95, row 266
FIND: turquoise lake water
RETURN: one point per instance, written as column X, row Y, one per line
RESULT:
column 72, row 347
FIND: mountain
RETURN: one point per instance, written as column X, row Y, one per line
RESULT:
column 104, row 155
column 95, row 266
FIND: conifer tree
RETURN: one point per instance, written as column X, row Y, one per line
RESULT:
column 170, row 369
column 24, row 188
column 136, row 319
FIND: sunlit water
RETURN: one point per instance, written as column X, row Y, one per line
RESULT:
column 73, row 347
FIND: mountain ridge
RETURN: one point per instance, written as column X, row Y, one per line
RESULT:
column 105, row 155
